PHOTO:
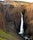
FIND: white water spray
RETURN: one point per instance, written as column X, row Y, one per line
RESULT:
column 21, row 27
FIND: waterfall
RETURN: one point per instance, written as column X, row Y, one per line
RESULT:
column 21, row 26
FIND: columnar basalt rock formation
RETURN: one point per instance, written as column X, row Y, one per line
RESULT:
column 28, row 17
column 2, row 21
column 10, row 18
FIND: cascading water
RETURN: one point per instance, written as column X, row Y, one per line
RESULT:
column 21, row 26
column 22, row 29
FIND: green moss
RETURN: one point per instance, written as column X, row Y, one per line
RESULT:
column 6, row 36
column 2, row 39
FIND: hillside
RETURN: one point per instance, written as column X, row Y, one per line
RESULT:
column 8, row 36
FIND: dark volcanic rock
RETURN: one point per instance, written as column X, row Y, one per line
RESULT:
column 12, row 17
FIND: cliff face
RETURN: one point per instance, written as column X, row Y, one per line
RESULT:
column 2, row 22
column 29, row 19
column 10, row 17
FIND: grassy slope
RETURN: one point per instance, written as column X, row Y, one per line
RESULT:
column 6, row 36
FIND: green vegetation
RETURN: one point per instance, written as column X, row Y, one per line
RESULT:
column 6, row 36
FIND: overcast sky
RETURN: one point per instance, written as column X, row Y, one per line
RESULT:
column 27, row 0
column 21, row 0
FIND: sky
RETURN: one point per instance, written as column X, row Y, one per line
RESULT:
column 27, row 0
column 1, row 0
column 21, row 0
